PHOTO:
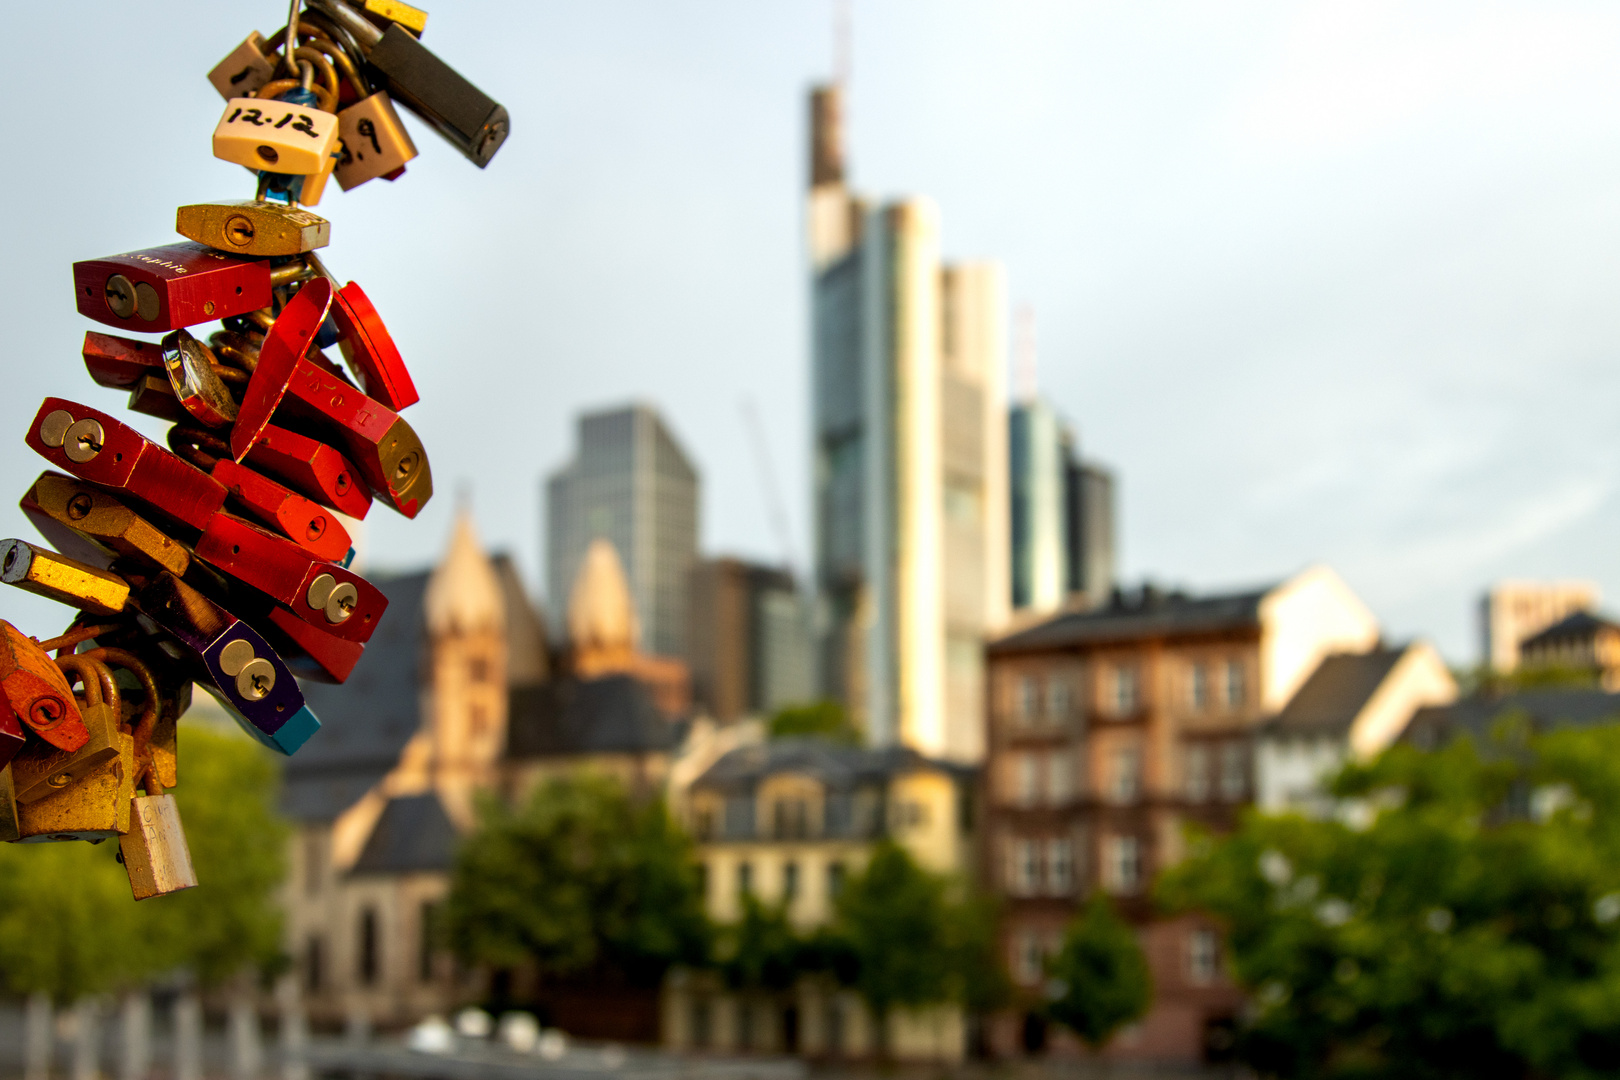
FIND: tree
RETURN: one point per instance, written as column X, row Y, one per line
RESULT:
column 824, row 719
column 1461, row 920
column 1101, row 977
column 69, row 927
column 895, row 917
column 762, row 950
column 580, row 879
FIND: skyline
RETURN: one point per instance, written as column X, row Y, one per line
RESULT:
column 1366, row 252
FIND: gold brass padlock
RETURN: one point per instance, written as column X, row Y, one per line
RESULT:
column 42, row 769
column 154, row 851
column 375, row 142
column 9, row 832
column 56, row 577
column 252, row 227
column 96, row 808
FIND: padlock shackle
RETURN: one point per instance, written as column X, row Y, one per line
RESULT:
column 151, row 711
column 75, row 634
column 99, row 686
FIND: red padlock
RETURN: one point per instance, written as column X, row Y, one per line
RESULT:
column 333, row 599
column 377, row 439
column 312, row 469
column 326, row 657
column 120, row 362
column 312, row 527
column 93, row 446
column 370, row 350
column 288, row 338
column 159, row 289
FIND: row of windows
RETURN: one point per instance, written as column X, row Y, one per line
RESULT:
column 842, row 814
column 746, row 882
column 1031, row 950
column 1210, row 770
column 1216, row 770
column 1052, row 866
column 368, row 942
column 1053, row 700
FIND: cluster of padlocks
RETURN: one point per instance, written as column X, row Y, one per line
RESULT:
column 222, row 560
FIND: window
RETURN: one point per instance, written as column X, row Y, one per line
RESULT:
column 1059, row 777
column 791, row 819
column 1125, row 785
column 314, row 954
column 1203, row 955
column 1197, row 762
column 427, row 947
column 1198, row 690
column 1234, row 778
column 835, row 880
column 1058, row 702
column 745, row 879
column 1029, row 779
column 1025, row 872
column 368, row 946
column 704, row 825
column 1060, row 866
column 1124, row 864
column 1027, row 700
column 1127, row 691
column 1235, row 691
column 790, row 881
column 1028, row 958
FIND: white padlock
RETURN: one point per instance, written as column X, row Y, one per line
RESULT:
column 276, row 136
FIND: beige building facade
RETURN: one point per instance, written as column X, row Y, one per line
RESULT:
column 1511, row 611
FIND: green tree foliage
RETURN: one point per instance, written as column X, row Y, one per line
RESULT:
column 825, row 719
column 762, row 950
column 69, row 927
column 579, row 879
column 1101, row 977
column 1462, row 921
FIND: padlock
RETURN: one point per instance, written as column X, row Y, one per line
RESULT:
column 244, row 70
column 288, row 338
column 336, row 600
column 153, row 396
column 95, row 527
column 190, row 367
column 368, row 348
column 383, row 12
column 37, row 691
column 278, row 136
column 12, row 736
column 57, row 577
column 159, row 289
column 10, row 831
column 154, row 851
column 93, row 446
column 378, row 440
column 374, row 141
column 234, row 663
column 253, row 227
column 312, row 527
column 310, row 651
column 468, row 118
column 41, row 769
column 95, row 809
column 120, row 362
column 313, row 469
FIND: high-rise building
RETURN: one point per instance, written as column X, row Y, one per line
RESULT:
column 1062, row 514
column 631, row 484
column 910, row 459
column 749, row 640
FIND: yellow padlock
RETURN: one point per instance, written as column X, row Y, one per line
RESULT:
column 95, row 806
column 41, row 768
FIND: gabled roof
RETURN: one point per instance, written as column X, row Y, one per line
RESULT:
column 412, row 834
column 611, row 714
column 1145, row 614
column 1477, row 716
column 1334, row 695
column 1581, row 624
column 366, row 722
column 837, row 766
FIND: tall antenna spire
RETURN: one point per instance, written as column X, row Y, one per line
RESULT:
column 843, row 42
column 1024, row 354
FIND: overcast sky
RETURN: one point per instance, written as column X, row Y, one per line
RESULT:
column 1322, row 281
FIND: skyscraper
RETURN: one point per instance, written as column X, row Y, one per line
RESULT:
column 1062, row 514
column 632, row 484
column 910, row 458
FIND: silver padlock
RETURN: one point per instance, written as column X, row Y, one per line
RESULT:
column 154, row 851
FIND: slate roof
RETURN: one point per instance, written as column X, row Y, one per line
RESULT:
column 1581, row 624
column 366, row 722
column 839, row 767
column 412, row 834
column 1145, row 614
column 1477, row 716
column 1335, row 693
column 567, row 716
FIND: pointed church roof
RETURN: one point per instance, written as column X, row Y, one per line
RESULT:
column 601, row 615
column 464, row 592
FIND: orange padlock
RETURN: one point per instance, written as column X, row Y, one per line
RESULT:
column 38, row 692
